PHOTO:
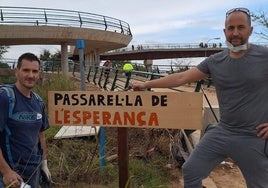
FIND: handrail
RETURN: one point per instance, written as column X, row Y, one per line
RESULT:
column 112, row 77
column 174, row 46
column 55, row 65
column 109, row 78
column 63, row 18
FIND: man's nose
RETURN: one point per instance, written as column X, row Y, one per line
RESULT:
column 31, row 74
column 236, row 31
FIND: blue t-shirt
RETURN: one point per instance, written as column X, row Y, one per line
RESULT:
column 27, row 121
column 242, row 88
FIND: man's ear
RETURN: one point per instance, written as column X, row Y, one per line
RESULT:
column 251, row 30
column 224, row 30
column 16, row 71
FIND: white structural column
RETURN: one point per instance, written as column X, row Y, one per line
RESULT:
column 97, row 58
column 94, row 58
column 87, row 61
column 91, row 59
column 64, row 59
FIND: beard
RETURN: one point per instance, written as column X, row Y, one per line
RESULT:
column 237, row 41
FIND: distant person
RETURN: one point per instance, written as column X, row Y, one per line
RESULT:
column 23, row 150
column 240, row 75
column 127, row 68
column 107, row 66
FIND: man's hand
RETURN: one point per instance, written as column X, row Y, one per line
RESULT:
column 45, row 170
column 12, row 179
column 262, row 130
column 138, row 86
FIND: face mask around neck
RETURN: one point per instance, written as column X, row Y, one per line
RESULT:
column 236, row 48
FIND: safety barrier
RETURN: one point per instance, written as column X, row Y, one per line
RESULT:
column 173, row 46
column 109, row 78
column 112, row 78
column 63, row 18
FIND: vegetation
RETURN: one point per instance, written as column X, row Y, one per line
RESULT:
column 4, row 65
column 3, row 50
column 51, row 62
column 6, row 79
column 261, row 19
column 47, row 56
column 75, row 161
column 53, row 82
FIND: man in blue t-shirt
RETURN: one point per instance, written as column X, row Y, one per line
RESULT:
column 23, row 150
column 240, row 75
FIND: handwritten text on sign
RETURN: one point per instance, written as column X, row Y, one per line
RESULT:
column 126, row 109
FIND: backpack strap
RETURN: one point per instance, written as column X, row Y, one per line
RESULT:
column 9, row 89
column 37, row 97
column 40, row 100
column 11, row 98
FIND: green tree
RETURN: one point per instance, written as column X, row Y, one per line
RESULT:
column 45, row 55
column 50, row 60
column 4, row 65
column 56, row 56
column 3, row 50
column 261, row 19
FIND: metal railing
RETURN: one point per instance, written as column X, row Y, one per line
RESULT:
column 55, row 66
column 113, row 78
column 173, row 46
column 63, row 18
column 166, row 46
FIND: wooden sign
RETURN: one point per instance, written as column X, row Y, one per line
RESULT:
column 126, row 109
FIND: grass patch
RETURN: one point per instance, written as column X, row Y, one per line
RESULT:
column 148, row 174
column 53, row 82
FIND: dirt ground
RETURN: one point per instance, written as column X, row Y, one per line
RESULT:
column 225, row 175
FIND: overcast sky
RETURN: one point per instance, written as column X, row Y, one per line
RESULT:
column 152, row 21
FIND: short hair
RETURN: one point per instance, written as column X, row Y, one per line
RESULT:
column 27, row 56
column 244, row 10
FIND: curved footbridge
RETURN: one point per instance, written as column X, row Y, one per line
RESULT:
column 26, row 26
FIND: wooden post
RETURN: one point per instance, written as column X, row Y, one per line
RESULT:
column 123, row 154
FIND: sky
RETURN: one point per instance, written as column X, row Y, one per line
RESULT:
column 152, row 21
